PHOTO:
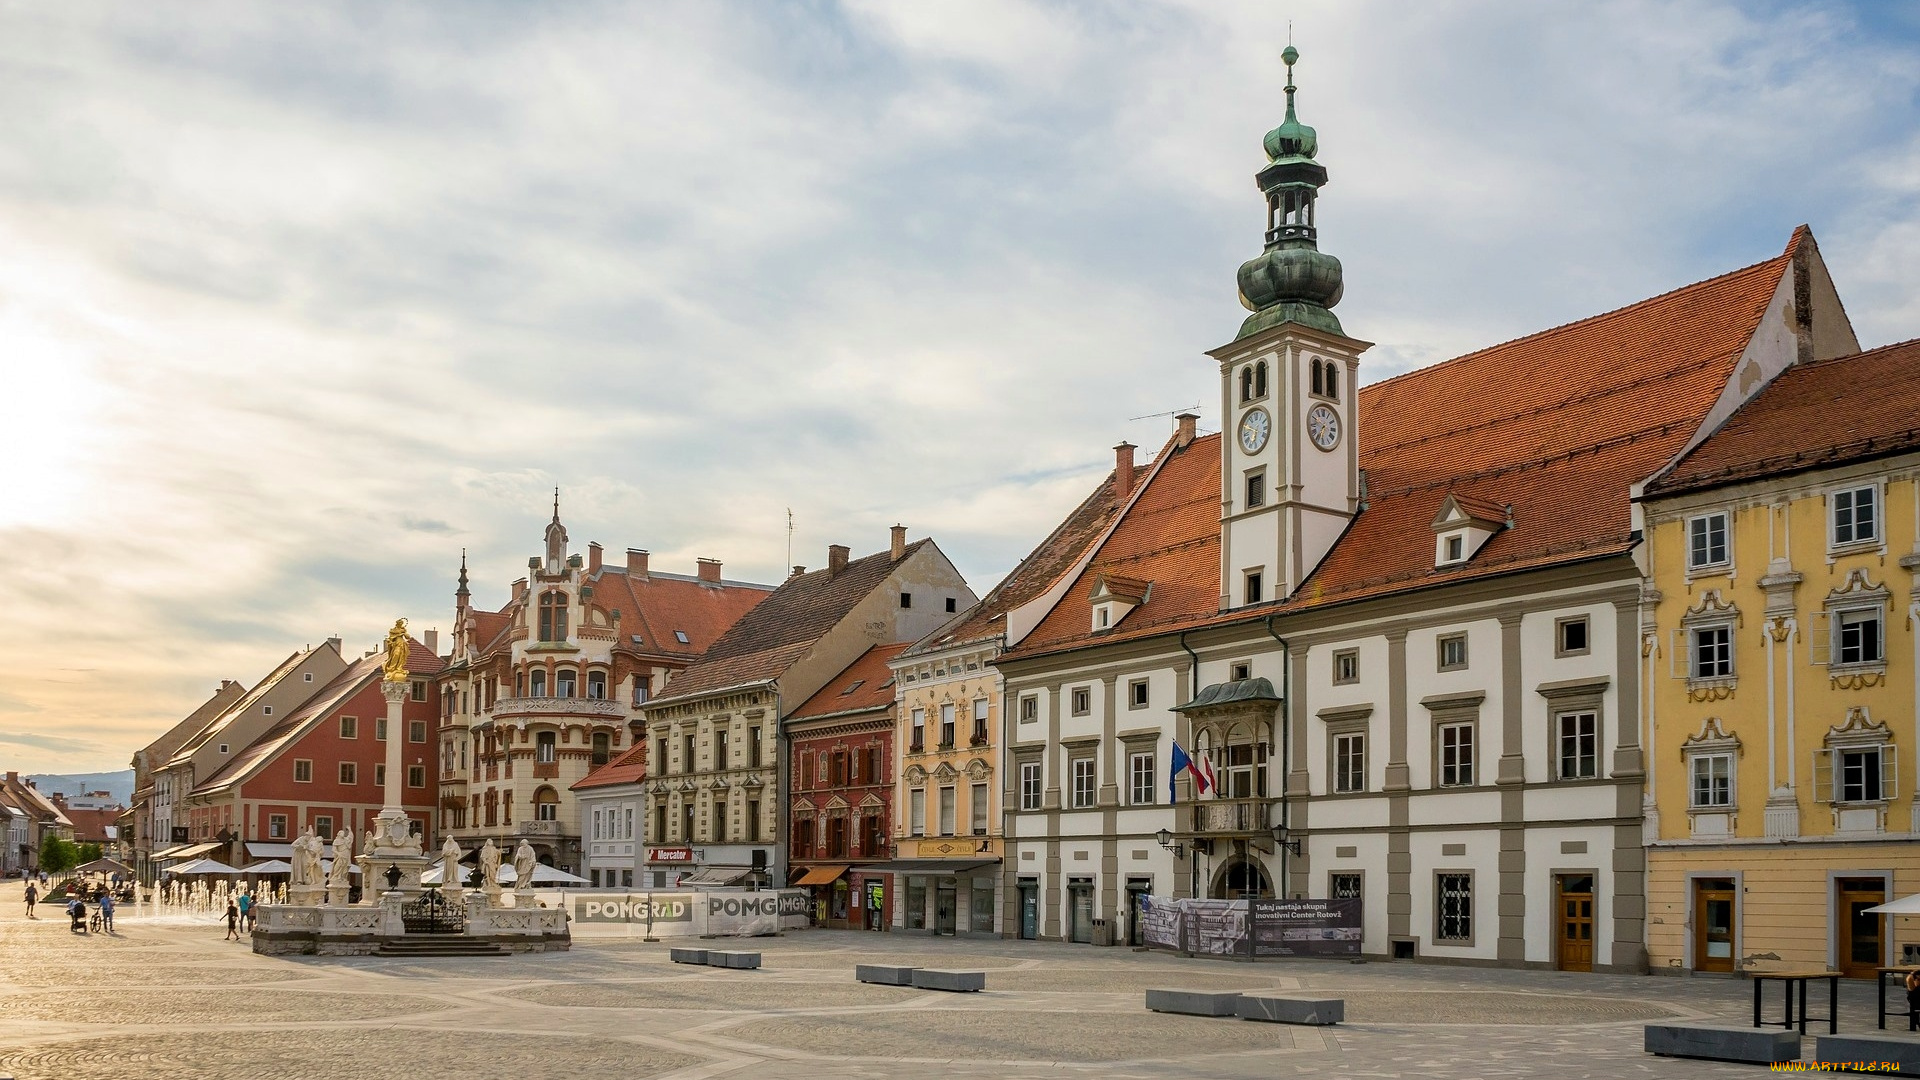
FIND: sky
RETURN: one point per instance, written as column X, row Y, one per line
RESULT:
column 297, row 302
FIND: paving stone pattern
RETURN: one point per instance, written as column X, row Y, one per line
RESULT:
column 169, row 998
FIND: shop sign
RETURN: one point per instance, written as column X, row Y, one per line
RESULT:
column 633, row 909
column 955, row 848
column 670, row 854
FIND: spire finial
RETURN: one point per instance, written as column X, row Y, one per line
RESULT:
column 556, row 504
column 462, row 590
column 1290, row 56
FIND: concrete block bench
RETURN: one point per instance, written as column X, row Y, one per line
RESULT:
column 1756, row 1046
column 1276, row 1009
column 962, row 982
column 883, row 974
column 1193, row 1002
column 1881, row 1051
column 745, row 960
column 687, row 956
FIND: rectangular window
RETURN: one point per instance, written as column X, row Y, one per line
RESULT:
column 660, row 756
column 917, row 811
column 979, row 721
column 545, row 748
column 419, row 690
column 302, row 771
column 686, row 753
column 1029, row 709
column 417, row 731
column 1570, row 636
column 1713, row 652
column 1579, row 744
column 1140, row 779
column 276, row 826
column 1254, row 587
column 1453, row 909
column 686, row 820
column 1083, row 782
column 349, row 727
column 1860, row 775
column 1456, row 549
column 323, row 827
column 380, row 776
column 946, row 726
column 416, row 776
column 1859, row 638
column 1256, row 489
column 1456, row 755
column 947, row 799
column 977, row 808
column 1453, row 652
column 720, row 748
column 1137, row 694
column 1350, row 762
column 753, row 748
column 1706, row 541
column 906, row 599
column 1856, row 519
column 1082, row 700
column 1030, row 785
column 1343, row 886
column 919, row 740
column 1346, row 666
column 1242, row 671
column 1712, row 780
column 349, row 773
column 753, row 821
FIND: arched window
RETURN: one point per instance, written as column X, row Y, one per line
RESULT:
column 546, row 805
column 1316, row 378
column 563, row 683
column 1333, row 379
column 1246, row 383
column 537, row 683
column 1260, row 379
column 597, row 685
column 553, row 616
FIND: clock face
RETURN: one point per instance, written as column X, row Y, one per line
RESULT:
column 1323, row 427
column 1254, row 429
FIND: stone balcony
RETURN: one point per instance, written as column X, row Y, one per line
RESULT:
column 536, row 708
column 1231, row 817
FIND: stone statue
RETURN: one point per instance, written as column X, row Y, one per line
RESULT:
column 490, row 866
column 396, row 649
column 342, row 859
column 523, row 863
column 306, row 859
column 449, row 867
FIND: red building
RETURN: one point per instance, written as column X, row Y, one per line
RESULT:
column 324, row 765
column 841, row 815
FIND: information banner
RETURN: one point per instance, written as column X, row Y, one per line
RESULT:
column 1253, row 928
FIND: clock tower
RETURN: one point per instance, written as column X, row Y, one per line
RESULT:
column 1289, row 455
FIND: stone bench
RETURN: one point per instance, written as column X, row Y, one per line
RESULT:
column 961, row 982
column 1276, row 1009
column 1898, row 1054
column 1756, row 1046
column 745, row 960
column 1193, row 1002
column 687, row 956
column 883, row 974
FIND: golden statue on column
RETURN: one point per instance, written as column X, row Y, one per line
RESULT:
column 396, row 665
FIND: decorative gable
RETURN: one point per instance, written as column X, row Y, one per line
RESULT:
column 1463, row 525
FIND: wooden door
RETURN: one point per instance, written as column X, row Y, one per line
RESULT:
column 1713, row 924
column 1860, row 949
column 1575, row 893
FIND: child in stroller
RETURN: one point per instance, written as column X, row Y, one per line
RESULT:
column 77, row 912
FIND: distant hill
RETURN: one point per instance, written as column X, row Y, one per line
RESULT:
column 120, row 783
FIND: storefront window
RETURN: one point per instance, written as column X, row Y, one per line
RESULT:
column 916, row 902
column 983, row 905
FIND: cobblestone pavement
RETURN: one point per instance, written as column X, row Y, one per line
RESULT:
column 167, row 998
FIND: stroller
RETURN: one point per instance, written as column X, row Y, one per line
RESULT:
column 77, row 911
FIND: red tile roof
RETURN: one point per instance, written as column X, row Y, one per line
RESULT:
column 251, row 758
column 1560, row 425
column 656, row 607
column 90, row 826
column 866, row 684
column 628, row 768
column 1851, row 408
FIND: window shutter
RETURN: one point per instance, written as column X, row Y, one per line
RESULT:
column 1889, row 772
column 1820, row 638
column 1679, row 654
column 1823, row 766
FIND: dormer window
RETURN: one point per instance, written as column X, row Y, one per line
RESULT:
column 1113, row 597
column 1453, row 548
column 1464, row 525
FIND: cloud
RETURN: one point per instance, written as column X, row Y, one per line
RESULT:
column 322, row 296
column 51, row 743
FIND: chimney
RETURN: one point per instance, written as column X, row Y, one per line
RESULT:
column 593, row 557
column 520, row 588
column 1123, row 470
column 710, row 570
column 12, row 777
column 899, row 542
column 1187, row 422
column 798, row 570
column 431, row 639
column 637, row 562
column 334, row 642
column 836, row 559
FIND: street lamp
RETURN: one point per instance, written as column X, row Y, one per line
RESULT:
column 1280, row 839
column 1165, row 836
column 393, row 876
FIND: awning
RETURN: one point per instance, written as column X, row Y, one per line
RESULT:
column 103, row 866
column 203, row 866
column 1906, row 905
column 718, row 875
column 271, row 866
column 935, row 867
column 820, row 875
column 191, row 851
column 170, row 852
column 269, row 851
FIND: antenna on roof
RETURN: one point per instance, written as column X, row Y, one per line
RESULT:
column 789, row 536
column 1169, row 414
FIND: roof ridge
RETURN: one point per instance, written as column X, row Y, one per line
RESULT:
column 1781, row 258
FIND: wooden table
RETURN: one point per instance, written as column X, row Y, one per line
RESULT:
column 1799, row 980
column 1913, row 1023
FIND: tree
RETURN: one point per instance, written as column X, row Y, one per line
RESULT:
column 89, row 851
column 57, row 856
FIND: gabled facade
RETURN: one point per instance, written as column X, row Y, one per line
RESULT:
column 1448, row 732
column 31, row 819
column 147, row 838
column 552, row 686
column 717, row 800
column 1783, row 676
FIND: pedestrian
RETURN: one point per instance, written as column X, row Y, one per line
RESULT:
column 1913, row 1000
column 106, row 912
column 246, row 909
column 233, row 922
column 77, row 913
column 33, row 897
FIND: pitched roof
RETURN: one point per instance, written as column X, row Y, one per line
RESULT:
column 1033, row 576
column 1560, row 425
column 1814, row 415
column 161, row 749
column 92, row 825
column 625, row 769
column 251, row 758
column 239, row 707
column 866, row 684
column 781, row 629
column 657, row 608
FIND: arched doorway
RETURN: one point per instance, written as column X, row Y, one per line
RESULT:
column 1242, row 878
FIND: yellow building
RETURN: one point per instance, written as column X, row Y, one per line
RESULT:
column 1783, row 674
